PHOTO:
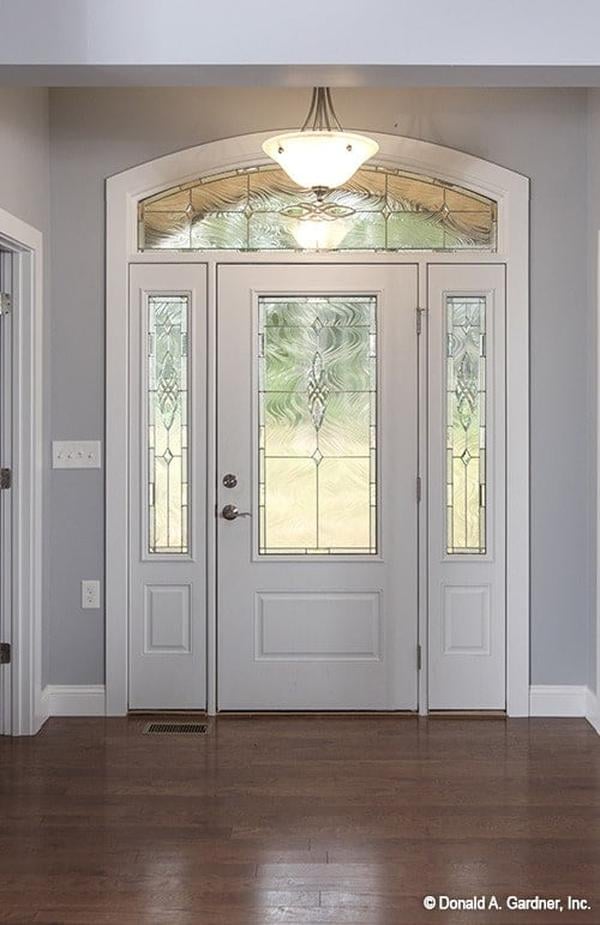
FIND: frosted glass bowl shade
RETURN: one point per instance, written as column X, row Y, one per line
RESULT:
column 320, row 159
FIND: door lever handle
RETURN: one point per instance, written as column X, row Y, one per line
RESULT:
column 230, row 512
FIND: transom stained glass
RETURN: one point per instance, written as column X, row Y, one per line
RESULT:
column 317, row 361
column 260, row 208
column 466, row 424
column 167, row 435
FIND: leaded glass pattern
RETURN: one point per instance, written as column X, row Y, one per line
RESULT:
column 167, row 442
column 260, row 208
column 466, row 424
column 317, row 420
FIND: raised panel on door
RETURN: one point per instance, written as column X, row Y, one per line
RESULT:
column 317, row 412
column 167, row 464
column 467, row 517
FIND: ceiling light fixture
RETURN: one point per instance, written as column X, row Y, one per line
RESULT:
column 321, row 156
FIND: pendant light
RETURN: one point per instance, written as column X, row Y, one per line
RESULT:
column 321, row 156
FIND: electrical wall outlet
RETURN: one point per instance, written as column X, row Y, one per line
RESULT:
column 76, row 454
column 90, row 594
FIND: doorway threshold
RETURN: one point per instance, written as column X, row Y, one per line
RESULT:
column 318, row 714
column 467, row 714
column 139, row 714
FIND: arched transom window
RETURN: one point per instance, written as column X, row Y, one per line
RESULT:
column 260, row 208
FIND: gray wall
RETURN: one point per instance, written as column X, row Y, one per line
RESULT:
column 25, row 192
column 24, row 154
column 593, row 173
column 541, row 133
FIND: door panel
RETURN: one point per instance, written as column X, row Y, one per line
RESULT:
column 167, row 621
column 467, row 639
column 317, row 423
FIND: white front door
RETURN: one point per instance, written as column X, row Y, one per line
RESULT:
column 316, row 469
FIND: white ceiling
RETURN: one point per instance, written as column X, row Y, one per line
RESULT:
column 301, row 42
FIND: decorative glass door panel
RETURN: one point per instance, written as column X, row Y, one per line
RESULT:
column 465, row 423
column 167, row 402
column 317, row 399
column 317, row 466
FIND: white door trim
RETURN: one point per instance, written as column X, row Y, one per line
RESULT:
column 26, row 244
column 509, row 189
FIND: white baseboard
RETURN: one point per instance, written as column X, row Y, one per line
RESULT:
column 561, row 700
column 544, row 700
column 73, row 700
column 592, row 709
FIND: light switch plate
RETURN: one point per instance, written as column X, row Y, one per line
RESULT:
column 76, row 454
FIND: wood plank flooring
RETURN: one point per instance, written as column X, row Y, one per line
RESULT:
column 304, row 821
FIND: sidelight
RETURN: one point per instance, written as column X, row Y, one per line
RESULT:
column 167, row 423
column 317, row 423
column 466, row 424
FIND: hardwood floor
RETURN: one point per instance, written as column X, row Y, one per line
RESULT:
column 297, row 820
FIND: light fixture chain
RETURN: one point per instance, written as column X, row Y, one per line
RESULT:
column 332, row 111
column 321, row 115
column 311, row 110
column 325, row 114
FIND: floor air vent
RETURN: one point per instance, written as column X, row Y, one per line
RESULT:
column 156, row 729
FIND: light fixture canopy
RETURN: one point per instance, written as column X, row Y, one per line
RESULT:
column 321, row 156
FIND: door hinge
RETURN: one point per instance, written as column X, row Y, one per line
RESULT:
column 5, row 303
column 420, row 312
column 419, row 489
column 5, row 479
column 419, row 657
column 4, row 653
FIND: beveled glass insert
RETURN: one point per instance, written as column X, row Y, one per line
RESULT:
column 466, row 424
column 167, row 435
column 317, row 420
column 260, row 208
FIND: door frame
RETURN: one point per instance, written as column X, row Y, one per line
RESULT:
column 25, row 243
column 123, row 191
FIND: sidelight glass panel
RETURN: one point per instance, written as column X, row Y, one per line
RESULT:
column 317, row 418
column 167, row 435
column 260, row 208
column 466, row 425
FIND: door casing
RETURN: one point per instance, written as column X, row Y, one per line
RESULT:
column 6, row 532
column 511, row 191
column 25, row 713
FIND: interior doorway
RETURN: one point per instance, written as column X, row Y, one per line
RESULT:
column 21, row 343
